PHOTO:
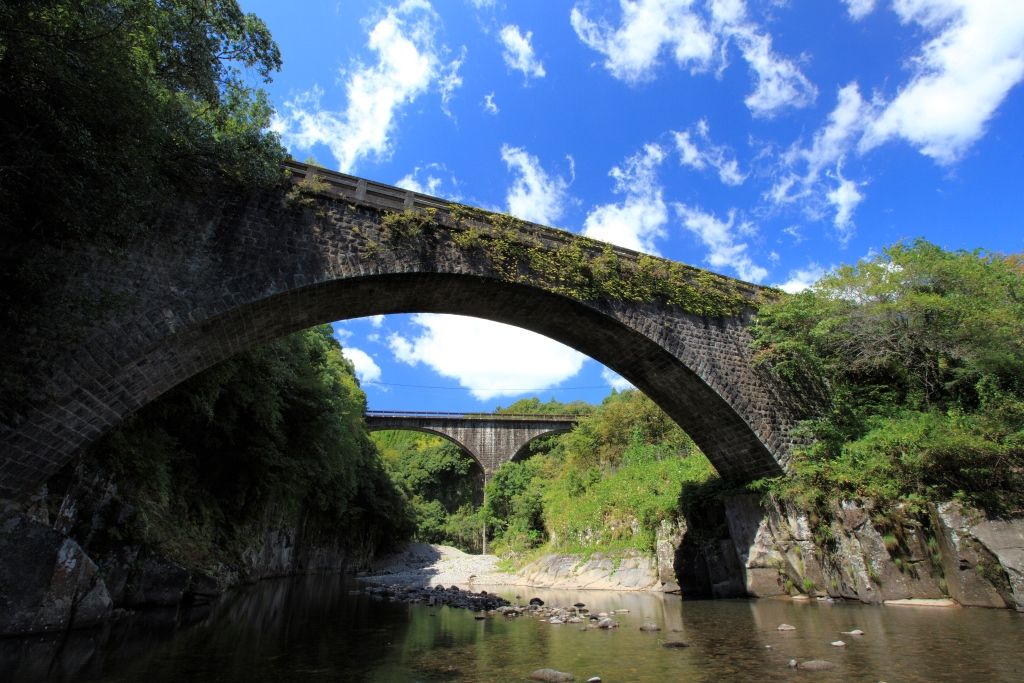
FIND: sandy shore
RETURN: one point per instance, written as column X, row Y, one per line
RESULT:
column 424, row 564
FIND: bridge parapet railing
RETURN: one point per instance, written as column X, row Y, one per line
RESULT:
column 389, row 197
column 541, row 417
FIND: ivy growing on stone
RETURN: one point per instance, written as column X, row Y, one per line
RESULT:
column 578, row 267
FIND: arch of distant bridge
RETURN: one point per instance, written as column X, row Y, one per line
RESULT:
column 490, row 439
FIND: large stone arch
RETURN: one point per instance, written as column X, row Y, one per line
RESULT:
column 216, row 279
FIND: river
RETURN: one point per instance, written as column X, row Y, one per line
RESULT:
column 319, row 629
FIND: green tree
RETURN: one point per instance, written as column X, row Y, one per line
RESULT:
column 270, row 438
column 112, row 111
column 912, row 364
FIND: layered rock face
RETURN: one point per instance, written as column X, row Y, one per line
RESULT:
column 73, row 566
column 856, row 554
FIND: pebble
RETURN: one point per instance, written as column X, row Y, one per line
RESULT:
column 594, row 679
column 649, row 626
column 816, row 665
column 854, row 632
column 838, row 643
column 607, row 623
column 551, row 676
column 453, row 597
column 786, row 627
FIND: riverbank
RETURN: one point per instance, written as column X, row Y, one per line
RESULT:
column 428, row 564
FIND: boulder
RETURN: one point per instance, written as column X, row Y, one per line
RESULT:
column 47, row 582
column 983, row 558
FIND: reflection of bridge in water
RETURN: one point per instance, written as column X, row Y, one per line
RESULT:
column 491, row 439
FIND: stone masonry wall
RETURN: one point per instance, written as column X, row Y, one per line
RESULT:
column 219, row 278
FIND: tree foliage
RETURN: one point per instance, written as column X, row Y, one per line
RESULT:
column 111, row 111
column 914, row 360
column 441, row 483
column 272, row 437
column 604, row 486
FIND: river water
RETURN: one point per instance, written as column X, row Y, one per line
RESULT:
column 315, row 629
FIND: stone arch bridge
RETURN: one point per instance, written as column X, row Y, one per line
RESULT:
column 212, row 279
column 491, row 439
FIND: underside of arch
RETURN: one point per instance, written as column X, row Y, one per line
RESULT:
column 524, row 450
column 435, row 432
column 715, row 425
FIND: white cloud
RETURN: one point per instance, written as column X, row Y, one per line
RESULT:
column 615, row 380
column 535, row 195
column 489, row 104
column 822, row 162
column 697, row 151
column 844, row 197
column 367, row 369
column 411, row 182
column 429, row 179
column 859, row 9
column 518, row 53
column 960, row 78
column 341, row 333
column 802, row 278
column 377, row 321
column 780, row 83
column 696, row 41
column 648, row 26
column 487, row 358
column 408, row 63
column 723, row 248
column 845, row 122
column 638, row 220
column 449, row 80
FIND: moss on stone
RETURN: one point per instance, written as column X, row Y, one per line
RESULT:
column 577, row 267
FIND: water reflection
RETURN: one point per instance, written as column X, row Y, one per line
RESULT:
column 314, row 629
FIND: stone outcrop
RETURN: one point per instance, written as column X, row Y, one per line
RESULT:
column 47, row 582
column 72, row 567
column 984, row 559
column 633, row 572
column 859, row 555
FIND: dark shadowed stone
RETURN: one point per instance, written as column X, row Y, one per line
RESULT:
column 46, row 581
column 675, row 644
column 161, row 583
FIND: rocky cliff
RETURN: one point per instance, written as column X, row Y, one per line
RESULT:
column 855, row 552
column 70, row 560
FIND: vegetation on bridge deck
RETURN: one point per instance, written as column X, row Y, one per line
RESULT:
column 561, row 262
column 576, row 266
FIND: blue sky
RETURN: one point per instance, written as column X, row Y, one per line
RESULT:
column 769, row 140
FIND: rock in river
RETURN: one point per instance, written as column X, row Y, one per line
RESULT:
column 551, row 676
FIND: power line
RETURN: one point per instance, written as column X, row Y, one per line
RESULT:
column 502, row 390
